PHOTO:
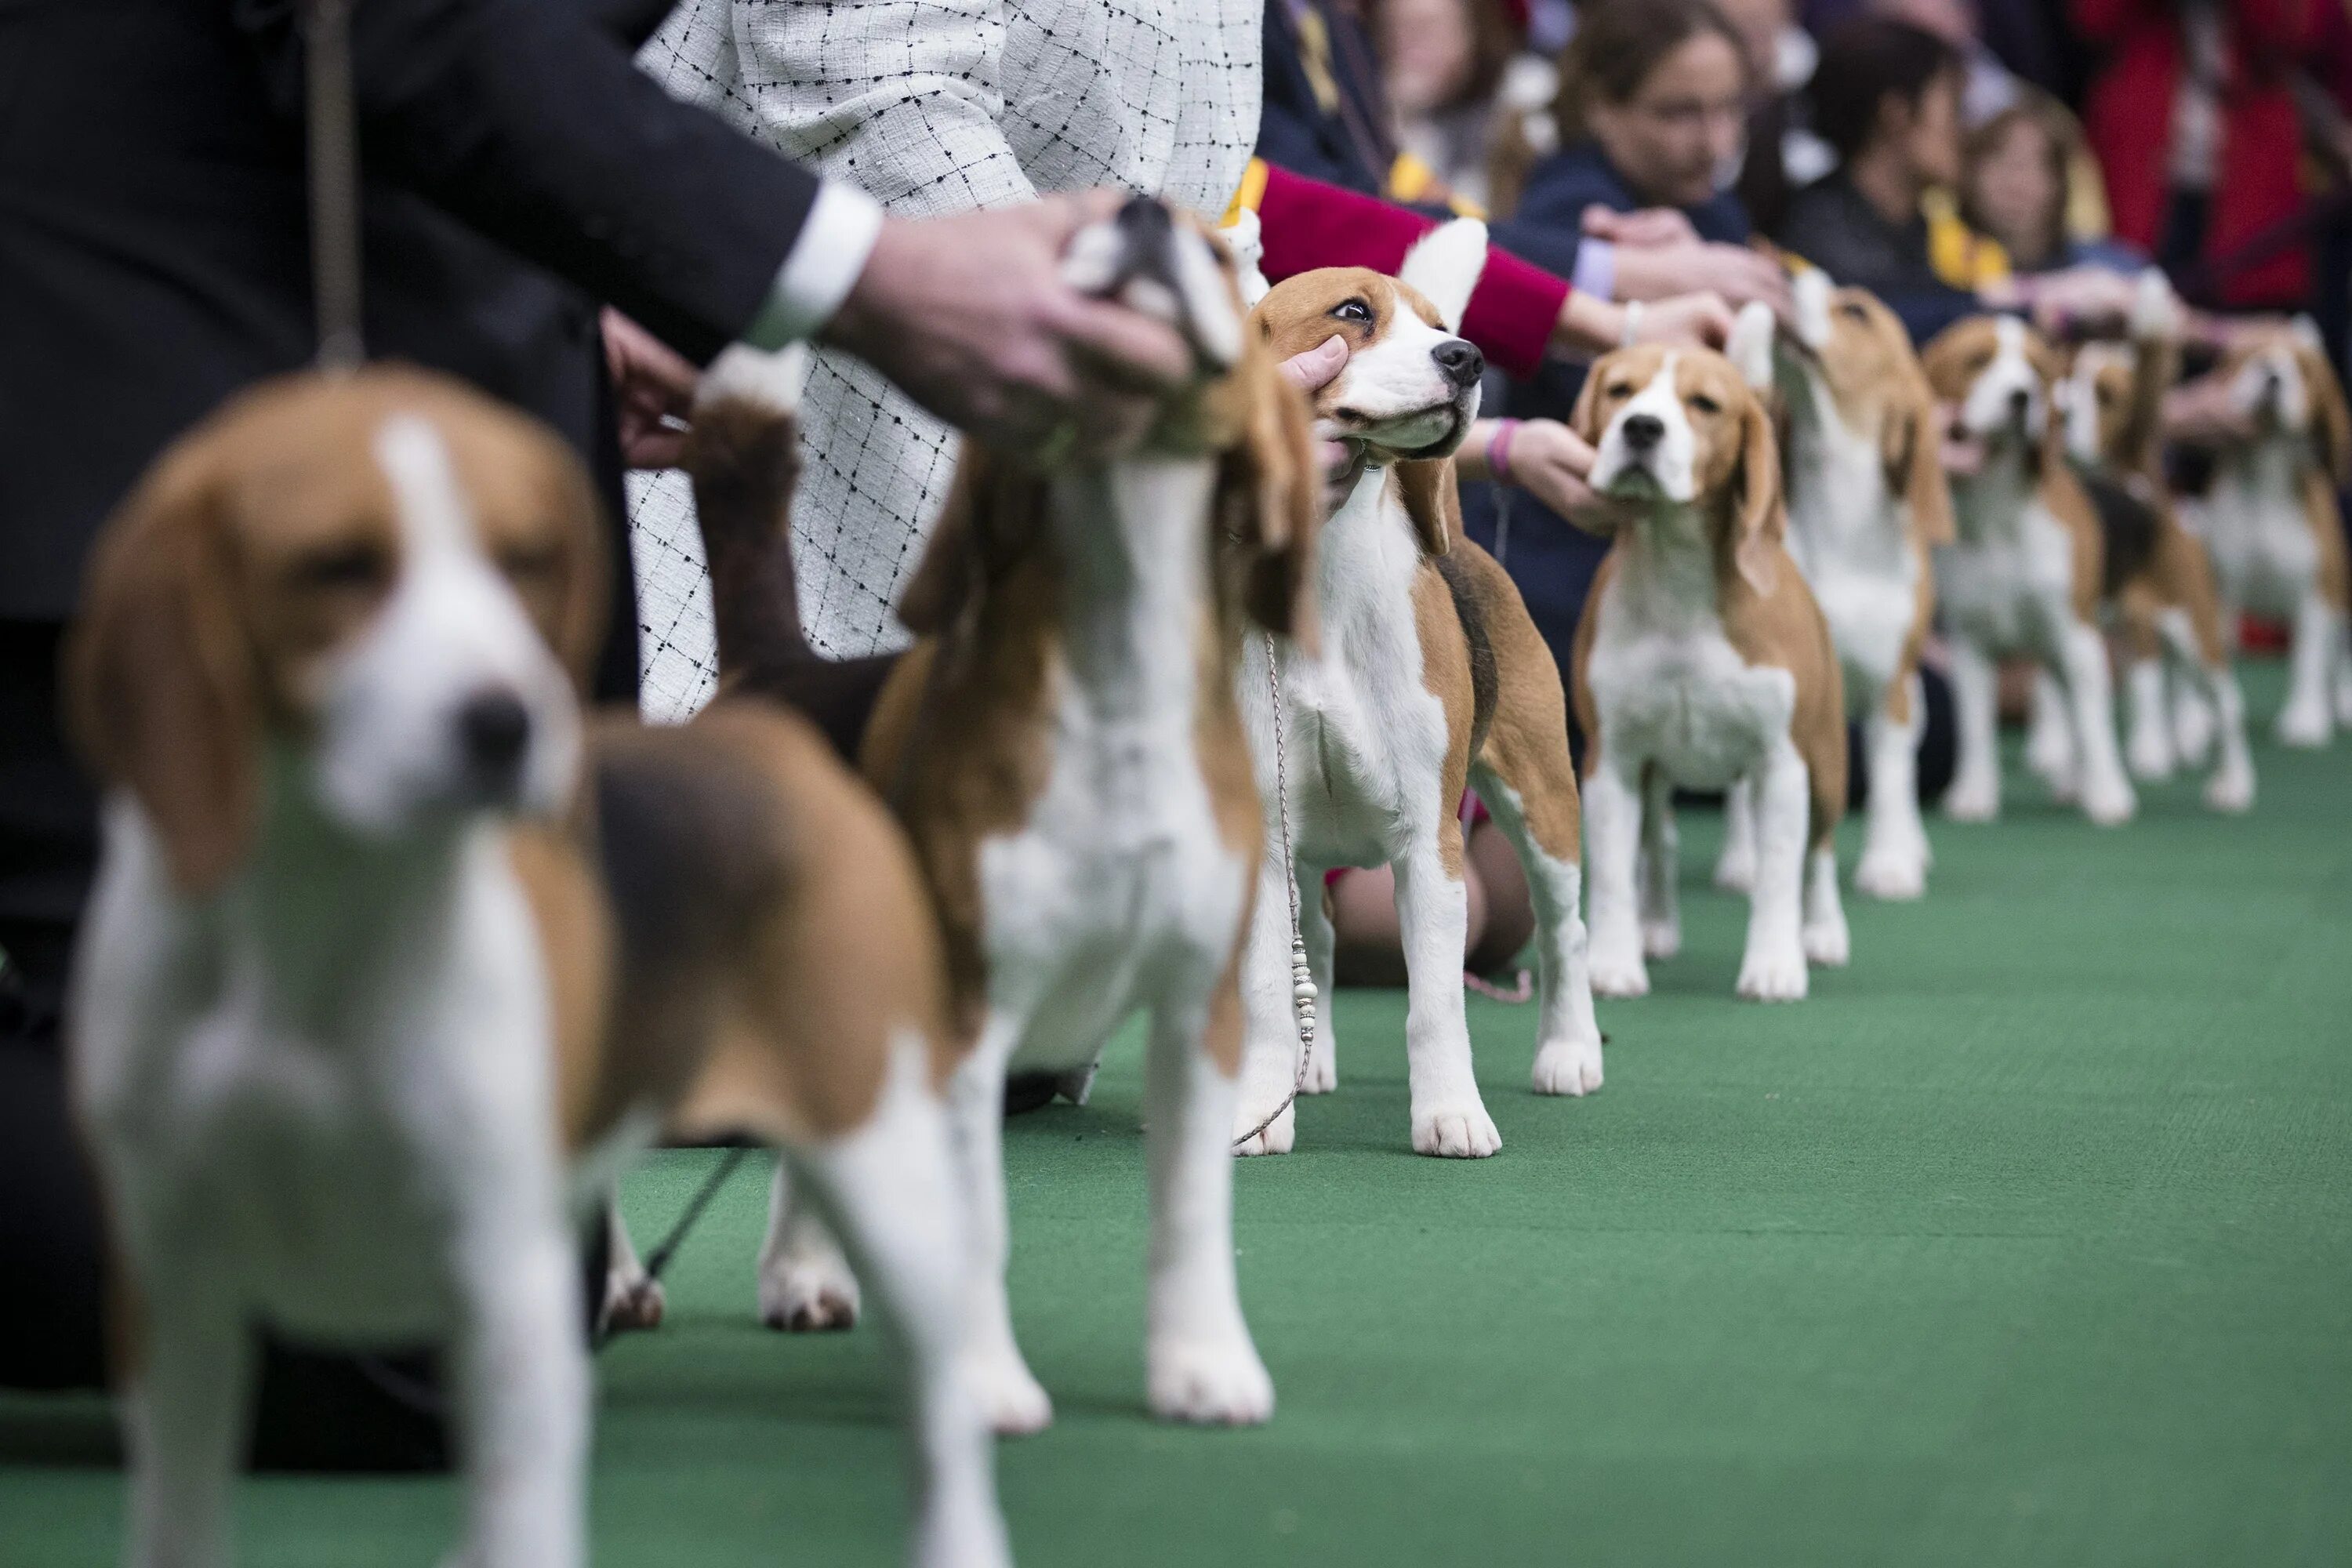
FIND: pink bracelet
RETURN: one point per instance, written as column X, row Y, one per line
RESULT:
column 1498, row 449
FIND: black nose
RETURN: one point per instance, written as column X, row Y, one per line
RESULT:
column 1461, row 361
column 1642, row 431
column 2020, row 404
column 494, row 726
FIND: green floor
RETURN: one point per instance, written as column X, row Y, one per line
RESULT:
column 2028, row 1239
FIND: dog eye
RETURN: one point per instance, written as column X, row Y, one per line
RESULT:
column 1703, row 403
column 1854, row 311
column 343, row 567
column 1352, row 310
column 1621, row 389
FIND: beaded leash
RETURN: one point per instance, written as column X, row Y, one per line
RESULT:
column 1302, row 975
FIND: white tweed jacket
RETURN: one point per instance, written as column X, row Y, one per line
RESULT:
column 932, row 107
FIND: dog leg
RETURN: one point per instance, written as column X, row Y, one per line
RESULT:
column 1612, row 833
column 1895, row 855
column 2305, row 721
column 1270, row 1035
column 184, row 1414
column 1568, row 1038
column 2108, row 797
column 633, row 1299
column 1735, row 867
column 805, row 1281
column 1011, row 1400
column 2193, row 720
column 522, row 1395
column 891, row 1186
column 2149, row 750
column 1201, row 1366
column 1824, row 936
column 1433, row 914
column 1659, row 869
column 1773, row 968
column 2231, row 786
column 2050, row 748
column 1975, row 792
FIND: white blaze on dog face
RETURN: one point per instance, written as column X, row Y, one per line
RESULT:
column 2006, row 399
column 2093, row 399
column 1410, row 388
column 1163, row 264
column 448, row 699
column 2267, row 385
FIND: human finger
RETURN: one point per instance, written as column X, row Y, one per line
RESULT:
column 1315, row 367
column 1113, row 343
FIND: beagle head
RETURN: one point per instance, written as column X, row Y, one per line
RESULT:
column 2095, row 400
column 1681, row 426
column 1235, row 409
column 1998, row 376
column 381, row 590
column 2281, row 382
column 1875, row 381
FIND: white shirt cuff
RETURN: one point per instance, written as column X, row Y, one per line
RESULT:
column 820, row 268
column 1596, row 268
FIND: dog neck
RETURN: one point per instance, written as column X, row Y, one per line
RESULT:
column 1837, row 478
column 1670, row 563
column 1991, row 503
column 1132, row 538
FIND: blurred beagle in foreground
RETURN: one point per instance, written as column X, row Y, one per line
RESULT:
column 2023, row 576
column 1867, row 503
column 1431, row 677
column 393, row 957
column 1703, row 660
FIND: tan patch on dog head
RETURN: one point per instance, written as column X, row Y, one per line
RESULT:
column 1878, row 386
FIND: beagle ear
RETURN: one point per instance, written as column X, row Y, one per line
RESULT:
column 2331, row 422
column 1759, row 513
column 1432, row 500
column 1269, row 500
column 161, row 686
column 586, row 606
column 1585, row 417
column 989, row 522
column 1909, row 447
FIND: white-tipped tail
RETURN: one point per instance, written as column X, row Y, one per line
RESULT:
column 2155, row 310
column 1750, row 347
column 1809, row 288
column 1445, row 264
column 745, row 374
column 1247, row 242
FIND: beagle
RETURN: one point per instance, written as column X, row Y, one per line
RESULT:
column 1703, row 660
column 2274, row 525
column 1063, row 746
column 2158, row 582
column 2023, row 576
column 1867, row 502
column 393, row 955
column 1430, row 678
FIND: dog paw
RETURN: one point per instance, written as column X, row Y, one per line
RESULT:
column 1662, row 939
column 2192, row 732
column 803, row 1295
column 960, row 1534
column 1274, row 1138
column 1217, row 1381
column 2230, row 791
column 2303, row 727
column 1972, row 800
column 2150, row 757
column 1891, row 875
column 1735, row 871
column 1619, row 975
column 1827, row 943
column 634, row 1303
column 1461, row 1131
column 1010, row 1400
column 1774, row 975
column 1322, row 1069
column 2110, row 803
column 1569, row 1067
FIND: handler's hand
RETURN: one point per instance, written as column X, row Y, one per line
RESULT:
column 1650, row 226
column 969, row 314
column 653, row 389
column 1687, row 321
column 1554, row 464
column 1311, row 372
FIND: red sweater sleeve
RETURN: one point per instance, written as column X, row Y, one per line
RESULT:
column 1304, row 223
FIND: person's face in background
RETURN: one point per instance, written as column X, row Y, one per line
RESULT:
column 1761, row 24
column 1682, row 126
column 1954, row 21
column 1426, row 50
column 2013, row 189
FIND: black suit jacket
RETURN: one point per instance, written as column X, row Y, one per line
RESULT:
column 154, row 244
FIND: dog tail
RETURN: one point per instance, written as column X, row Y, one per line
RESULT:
column 1751, row 346
column 1445, row 265
column 743, row 455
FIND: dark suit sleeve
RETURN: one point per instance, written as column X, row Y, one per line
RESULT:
column 527, row 120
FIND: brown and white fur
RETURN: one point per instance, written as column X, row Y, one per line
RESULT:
column 1703, row 660
column 1867, row 502
column 2111, row 400
column 1063, row 745
column 392, row 956
column 1431, row 677
column 2023, row 577
column 2272, row 525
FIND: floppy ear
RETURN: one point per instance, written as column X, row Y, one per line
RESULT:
column 1909, row 447
column 1432, row 500
column 1585, row 417
column 2331, row 422
column 1758, row 512
column 160, row 684
column 990, row 519
column 1269, row 500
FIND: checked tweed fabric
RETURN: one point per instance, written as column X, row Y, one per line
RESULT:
column 931, row 107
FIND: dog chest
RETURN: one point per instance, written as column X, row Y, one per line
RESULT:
column 1684, row 698
column 2009, row 584
column 2260, row 534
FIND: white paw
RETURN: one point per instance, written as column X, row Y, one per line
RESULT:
column 1210, row 1383
column 1662, row 939
column 970, row 1536
column 1891, row 874
column 1827, row 943
column 631, row 1302
column 1274, row 1138
column 1619, row 975
column 2231, row 790
column 1569, row 1067
column 1972, row 800
column 2303, row 727
column 806, row 1295
column 1458, row 1131
column 2192, row 732
column 1773, row 973
column 1735, row 871
column 1010, row 1400
column 1322, row 1069
column 2109, row 802
column 2151, row 757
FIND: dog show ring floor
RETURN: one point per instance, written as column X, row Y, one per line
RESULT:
column 2027, row 1239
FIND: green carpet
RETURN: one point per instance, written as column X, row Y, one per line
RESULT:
column 2028, row 1239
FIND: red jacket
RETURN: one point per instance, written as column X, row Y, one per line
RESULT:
column 2256, row 178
